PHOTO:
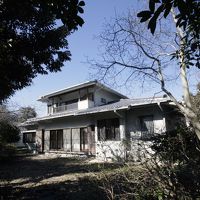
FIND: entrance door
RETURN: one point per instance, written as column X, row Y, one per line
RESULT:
column 84, row 139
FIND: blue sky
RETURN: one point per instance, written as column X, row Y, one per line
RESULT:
column 82, row 44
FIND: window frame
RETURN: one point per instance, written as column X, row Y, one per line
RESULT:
column 108, row 129
column 26, row 138
column 55, row 146
column 145, row 134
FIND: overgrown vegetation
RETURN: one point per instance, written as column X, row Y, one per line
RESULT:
column 173, row 172
column 9, row 133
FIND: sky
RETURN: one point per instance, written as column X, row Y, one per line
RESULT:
column 83, row 44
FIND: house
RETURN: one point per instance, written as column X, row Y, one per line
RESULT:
column 94, row 119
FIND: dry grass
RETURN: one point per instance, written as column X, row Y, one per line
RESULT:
column 42, row 177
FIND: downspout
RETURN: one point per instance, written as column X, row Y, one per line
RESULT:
column 122, row 132
column 160, row 106
column 164, row 116
column 118, row 114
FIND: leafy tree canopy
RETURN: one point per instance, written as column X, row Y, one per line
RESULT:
column 187, row 16
column 33, row 39
column 196, row 101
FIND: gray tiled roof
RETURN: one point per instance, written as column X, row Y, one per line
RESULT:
column 120, row 105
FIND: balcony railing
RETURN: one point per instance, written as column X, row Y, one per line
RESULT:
column 69, row 107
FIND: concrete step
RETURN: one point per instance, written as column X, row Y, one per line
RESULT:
column 66, row 154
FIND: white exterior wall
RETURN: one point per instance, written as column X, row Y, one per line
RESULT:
column 85, row 104
column 133, row 122
column 100, row 93
column 130, row 124
column 64, row 123
column 139, row 148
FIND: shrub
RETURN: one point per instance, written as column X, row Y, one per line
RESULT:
column 177, row 163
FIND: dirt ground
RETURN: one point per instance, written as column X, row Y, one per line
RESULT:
column 48, row 178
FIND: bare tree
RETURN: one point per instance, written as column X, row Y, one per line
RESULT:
column 25, row 113
column 133, row 55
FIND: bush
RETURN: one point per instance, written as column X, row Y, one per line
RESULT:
column 129, row 182
column 7, row 152
column 177, row 159
column 8, row 132
column 173, row 172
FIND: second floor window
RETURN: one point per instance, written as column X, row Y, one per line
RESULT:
column 86, row 93
column 83, row 94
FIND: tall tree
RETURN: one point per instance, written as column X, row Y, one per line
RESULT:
column 25, row 113
column 187, row 17
column 135, row 55
column 33, row 39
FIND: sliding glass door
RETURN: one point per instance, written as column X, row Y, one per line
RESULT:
column 56, row 139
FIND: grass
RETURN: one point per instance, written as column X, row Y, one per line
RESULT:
column 39, row 177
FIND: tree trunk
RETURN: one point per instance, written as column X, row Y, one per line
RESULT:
column 187, row 109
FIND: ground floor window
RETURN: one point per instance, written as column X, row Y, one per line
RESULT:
column 56, row 139
column 108, row 129
column 29, row 137
column 147, row 126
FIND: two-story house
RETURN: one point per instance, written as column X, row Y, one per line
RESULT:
column 94, row 119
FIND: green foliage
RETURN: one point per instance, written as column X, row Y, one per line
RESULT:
column 187, row 17
column 33, row 39
column 7, row 152
column 179, row 155
column 196, row 101
column 8, row 132
column 173, row 172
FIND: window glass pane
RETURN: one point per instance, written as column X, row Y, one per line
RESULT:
column 71, row 101
column 108, row 129
column 59, row 139
column 101, row 130
column 53, row 139
column 29, row 137
column 56, row 139
column 83, row 94
column 91, row 96
column 147, row 125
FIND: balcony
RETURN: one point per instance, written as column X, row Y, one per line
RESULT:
column 69, row 107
